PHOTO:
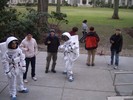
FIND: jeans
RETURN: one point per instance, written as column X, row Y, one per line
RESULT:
column 28, row 60
column 115, row 54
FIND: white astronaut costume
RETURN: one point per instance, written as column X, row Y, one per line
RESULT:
column 13, row 62
column 71, row 53
column 2, row 48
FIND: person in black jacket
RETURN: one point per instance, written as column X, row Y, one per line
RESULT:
column 52, row 42
column 116, row 41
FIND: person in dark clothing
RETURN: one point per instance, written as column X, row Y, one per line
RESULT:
column 91, row 44
column 52, row 42
column 116, row 41
column 73, row 31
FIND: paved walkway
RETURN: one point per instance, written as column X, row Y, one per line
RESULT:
column 91, row 83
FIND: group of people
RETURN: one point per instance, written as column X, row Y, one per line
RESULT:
column 17, row 57
column 70, row 48
column 91, row 39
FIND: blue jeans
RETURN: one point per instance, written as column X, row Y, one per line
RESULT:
column 116, row 55
column 28, row 61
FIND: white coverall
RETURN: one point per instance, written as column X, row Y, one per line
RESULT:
column 13, row 62
column 3, row 48
column 71, row 53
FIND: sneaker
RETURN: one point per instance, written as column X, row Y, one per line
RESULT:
column 24, row 91
column 87, row 64
column 115, row 67
column 93, row 64
column 64, row 72
column 70, row 79
column 46, row 71
column 25, row 81
column 53, row 71
column 13, row 98
column 34, row 78
column 110, row 64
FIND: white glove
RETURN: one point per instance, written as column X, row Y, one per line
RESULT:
column 23, row 69
column 9, row 75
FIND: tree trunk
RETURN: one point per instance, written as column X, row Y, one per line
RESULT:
column 58, row 6
column 94, row 3
column 74, row 3
column 110, row 3
column 43, row 7
column 128, row 2
column 116, row 10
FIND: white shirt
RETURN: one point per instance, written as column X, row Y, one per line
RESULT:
column 84, row 27
column 29, row 47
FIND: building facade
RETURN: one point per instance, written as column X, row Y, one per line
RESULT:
column 77, row 2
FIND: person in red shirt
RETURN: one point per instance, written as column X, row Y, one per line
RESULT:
column 73, row 31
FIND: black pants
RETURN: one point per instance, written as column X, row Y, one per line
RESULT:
column 82, row 39
column 54, row 58
column 28, row 61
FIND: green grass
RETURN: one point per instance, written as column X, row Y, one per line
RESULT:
column 100, row 18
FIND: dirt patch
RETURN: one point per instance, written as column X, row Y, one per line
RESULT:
column 129, row 31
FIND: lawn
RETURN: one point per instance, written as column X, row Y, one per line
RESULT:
column 100, row 18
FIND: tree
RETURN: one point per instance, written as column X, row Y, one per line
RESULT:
column 74, row 3
column 128, row 3
column 43, row 8
column 94, row 3
column 110, row 3
column 58, row 10
column 116, row 10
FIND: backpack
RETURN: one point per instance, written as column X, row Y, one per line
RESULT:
column 91, row 42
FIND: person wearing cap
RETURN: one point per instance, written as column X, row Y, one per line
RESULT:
column 30, row 49
column 71, row 53
column 52, row 42
column 13, row 61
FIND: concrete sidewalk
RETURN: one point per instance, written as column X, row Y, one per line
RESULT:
column 91, row 83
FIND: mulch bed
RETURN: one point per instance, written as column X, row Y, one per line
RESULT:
column 129, row 31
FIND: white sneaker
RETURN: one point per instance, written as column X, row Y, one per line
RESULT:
column 25, row 81
column 34, row 78
column 115, row 67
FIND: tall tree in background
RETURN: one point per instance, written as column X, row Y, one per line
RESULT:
column 74, row 3
column 128, row 3
column 43, row 8
column 116, row 10
column 110, row 3
column 58, row 10
column 94, row 3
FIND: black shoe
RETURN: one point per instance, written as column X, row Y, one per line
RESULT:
column 46, row 71
column 87, row 64
column 93, row 64
column 53, row 71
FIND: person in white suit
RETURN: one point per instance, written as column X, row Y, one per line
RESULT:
column 71, row 53
column 2, row 48
column 13, row 62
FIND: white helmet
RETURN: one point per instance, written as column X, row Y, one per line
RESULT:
column 67, row 34
column 10, row 39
